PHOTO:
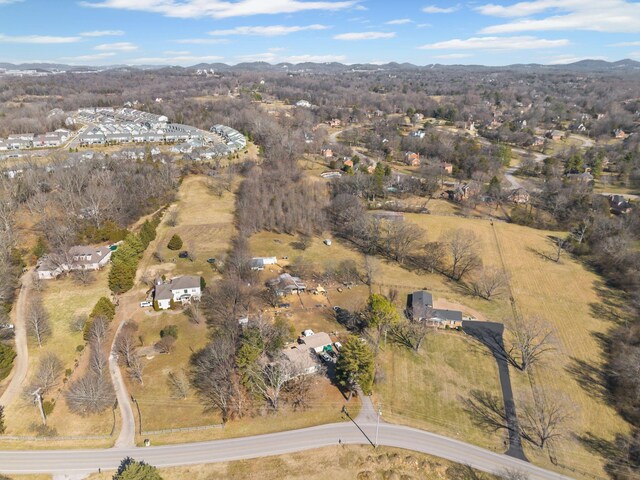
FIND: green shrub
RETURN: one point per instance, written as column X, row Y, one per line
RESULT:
column 104, row 308
column 169, row 331
column 79, row 348
column 48, row 406
column 175, row 243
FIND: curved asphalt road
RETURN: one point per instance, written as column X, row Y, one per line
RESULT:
column 78, row 462
column 21, row 365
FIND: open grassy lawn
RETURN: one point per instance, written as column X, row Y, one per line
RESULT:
column 158, row 408
column 205, row 224
column 63, row 300
column 325, row 405
column 564, row 294
column 338, row 463
column 423, row 389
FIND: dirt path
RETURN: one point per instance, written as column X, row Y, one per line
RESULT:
column 21, row 365
column 127, row 435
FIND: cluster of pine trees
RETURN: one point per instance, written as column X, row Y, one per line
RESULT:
column 125, row 259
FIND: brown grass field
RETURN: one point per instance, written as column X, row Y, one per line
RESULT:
column 205, row 222
column 339, row 463
column 63, row 300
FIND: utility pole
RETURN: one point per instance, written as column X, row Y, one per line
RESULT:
column 378, row 424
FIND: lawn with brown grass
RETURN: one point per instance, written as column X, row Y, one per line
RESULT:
column 64, row 299
column 337, row 463
column 424, row 389
column 205, row 224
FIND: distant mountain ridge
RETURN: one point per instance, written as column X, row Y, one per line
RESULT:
column 625, row 65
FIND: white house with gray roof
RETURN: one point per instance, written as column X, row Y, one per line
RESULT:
column 181, row 289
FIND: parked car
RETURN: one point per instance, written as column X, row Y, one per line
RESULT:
column 284, row 305
column 211, row 260
column 325, row 357
column 7, row 325
column 183, row 254
column 146, row 303
column 338, row 346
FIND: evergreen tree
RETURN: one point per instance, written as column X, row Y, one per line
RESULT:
column 131, row 469
column 121, row 277
column 135, row 243
column 356, row 365
column 2, row 425
column 7, row 354
column 103, row 308
column 175, row 243
column 40, row 248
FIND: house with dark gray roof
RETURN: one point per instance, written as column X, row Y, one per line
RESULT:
column 181, row 289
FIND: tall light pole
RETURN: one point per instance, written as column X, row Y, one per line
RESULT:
column 378, row 425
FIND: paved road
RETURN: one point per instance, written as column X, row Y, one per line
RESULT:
column 21, row 362
column 127, row 436
column 74, row 462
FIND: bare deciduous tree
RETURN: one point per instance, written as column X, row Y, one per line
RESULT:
column 269, row 378
column 126, row 344
column 38, row 326
column 172, row 217
column 530, row 339
column 463, row 249
column 410, row 334
column 47, row 375
column 178, row 384
column 90, row 394
column 488, row 282
column 544, row 419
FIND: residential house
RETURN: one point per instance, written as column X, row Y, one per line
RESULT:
column 286, row 284
column 303, row 104
column 554, row 135
column 519, row 196
column 258, row 263
column 447, row 167
column 419, row 305
column 335, row 122
column 329, row 174
column 78, row 258
column 348, row 163
column 327, row 152
column 305, row 362
column 619, row 205
column 418, row 133
column 412, row 158
column 179, row 289
column 584, row 177
column 619, row 133
column 317, row 342
column 420, row 308
column 463, row 191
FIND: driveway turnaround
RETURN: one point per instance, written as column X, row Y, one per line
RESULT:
column 77, row 462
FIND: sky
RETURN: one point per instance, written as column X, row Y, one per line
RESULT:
column 422, row 32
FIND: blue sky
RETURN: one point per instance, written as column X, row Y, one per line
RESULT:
column 187, row 32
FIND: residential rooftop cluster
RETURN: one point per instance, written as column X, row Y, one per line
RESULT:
column 30, row 140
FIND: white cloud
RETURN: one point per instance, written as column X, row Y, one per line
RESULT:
column 37, row 39
column 273, row 57
column 615, row 16
column 424, row 25
column 220, row 8
column 399, row 21
column 7, row 2
column 89, row 58
column 184, row 60
column 202, row 41
column 626, row 44
column 568, row 58
column 364, row 36
column 103, row 33
column 496, row 43
column 180, row 53
column 436, row 9
column 118, row 46
column 453, row 55
column 268, row 31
